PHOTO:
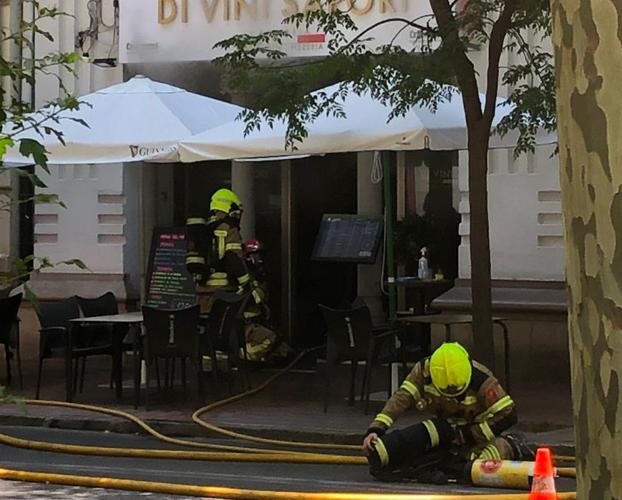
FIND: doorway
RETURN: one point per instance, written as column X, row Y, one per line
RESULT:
column 320, row 185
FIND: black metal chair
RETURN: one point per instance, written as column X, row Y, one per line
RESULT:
column 351, row 337
column 170, row 334
column 97, row 336
column 9, row 334
column 54, row 336
column 224, row 332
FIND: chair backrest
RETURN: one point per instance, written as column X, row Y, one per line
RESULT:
column 171, row 332
column 9, row 308
column 100, row 306
column 52, row 314
column 104, row 305
column 225, row 323
column 349, row 331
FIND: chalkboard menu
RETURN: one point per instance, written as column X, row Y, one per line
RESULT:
column 348, row 238
column 169, row 284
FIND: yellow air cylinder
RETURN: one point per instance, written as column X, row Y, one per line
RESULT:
column 502, row 474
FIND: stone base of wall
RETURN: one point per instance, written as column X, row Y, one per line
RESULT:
column 58, row 286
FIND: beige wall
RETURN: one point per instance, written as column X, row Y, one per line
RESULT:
column 538, row 347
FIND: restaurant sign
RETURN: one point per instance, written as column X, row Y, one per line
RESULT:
column 187, row 30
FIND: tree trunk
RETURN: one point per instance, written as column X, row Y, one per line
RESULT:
column 588, row 56
column 479, row 235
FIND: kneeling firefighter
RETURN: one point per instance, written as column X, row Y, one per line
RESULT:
column 471, row 411
column 215, row 256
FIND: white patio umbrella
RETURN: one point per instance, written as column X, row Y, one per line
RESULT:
column 366, row 127
column 136, row 120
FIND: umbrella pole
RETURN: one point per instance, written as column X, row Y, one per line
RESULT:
column 388, row 221
column 141, row 230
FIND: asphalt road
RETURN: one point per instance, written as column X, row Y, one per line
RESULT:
column 254, row 476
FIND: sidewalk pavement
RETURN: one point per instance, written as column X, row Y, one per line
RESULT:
column 290, row 408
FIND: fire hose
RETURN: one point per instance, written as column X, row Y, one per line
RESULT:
column 220, row 453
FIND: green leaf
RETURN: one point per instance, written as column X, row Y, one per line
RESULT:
column 34, row 149
column 75, row 262
column 5, row 143
column 32, row 298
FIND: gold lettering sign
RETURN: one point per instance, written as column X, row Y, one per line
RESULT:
column 290, row 8
column 242, row 4
column 209, row 7
column 168, row 10
column 357, row 9
column 311, row 5
column 386, row 5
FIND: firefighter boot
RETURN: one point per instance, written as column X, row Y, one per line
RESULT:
column 518, row 444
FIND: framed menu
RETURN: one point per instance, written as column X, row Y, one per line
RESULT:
column 169, row 284
column 348, row 238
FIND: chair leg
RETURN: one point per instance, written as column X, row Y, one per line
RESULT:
column 82, row 374
column 7, row 356
column 19, row 367
column 39, row 377
column 183, row 375
column 353, row 366
column 247, row 375
column 75, row 368
column 200, row 374
column 364, row 386
column 147, row 377
column 368, row 367
column 18, row 356
column 157, row 371
column 328, row 376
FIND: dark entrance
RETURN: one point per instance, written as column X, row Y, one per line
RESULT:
column 319, row 185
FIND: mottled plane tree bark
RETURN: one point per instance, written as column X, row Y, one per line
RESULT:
column 588, row 53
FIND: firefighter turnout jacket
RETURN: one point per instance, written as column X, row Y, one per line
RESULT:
column 215, row 256
column 473, row 419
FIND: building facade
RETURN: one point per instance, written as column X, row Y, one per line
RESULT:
column 113, row 208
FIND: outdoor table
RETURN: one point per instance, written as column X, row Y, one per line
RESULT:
column 448, row 320
column 113, row 321
column 419, row 294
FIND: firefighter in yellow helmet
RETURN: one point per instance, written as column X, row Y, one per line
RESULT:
column 470, row 412
column 215, row 256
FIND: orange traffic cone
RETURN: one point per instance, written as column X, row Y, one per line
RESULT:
column 543, row 485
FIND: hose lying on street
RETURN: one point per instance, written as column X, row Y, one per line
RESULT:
column 234, row 493
column 220, row 453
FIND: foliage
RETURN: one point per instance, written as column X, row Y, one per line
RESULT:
column 279, row 89
column 20, row 127
column 6, row 398
column 439, row 67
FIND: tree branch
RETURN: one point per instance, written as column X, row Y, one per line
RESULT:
column 497, row 36
column 465, row 71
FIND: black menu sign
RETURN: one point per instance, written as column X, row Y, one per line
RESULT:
column 348, row 238
column 169, row 284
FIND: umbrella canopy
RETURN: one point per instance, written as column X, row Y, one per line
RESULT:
column 366, row 127
column 133, row 121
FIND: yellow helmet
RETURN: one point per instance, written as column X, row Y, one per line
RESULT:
column 450, row 369
column 226, row 201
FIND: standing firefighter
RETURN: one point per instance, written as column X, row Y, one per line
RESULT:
column 470, row 411
column 215, row 255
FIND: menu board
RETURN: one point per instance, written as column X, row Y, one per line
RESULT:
column 169, row 284
column 348, row 238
